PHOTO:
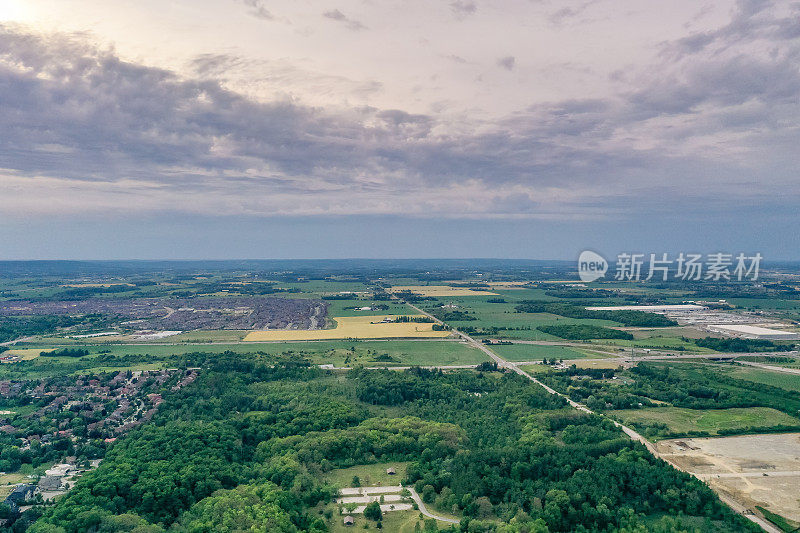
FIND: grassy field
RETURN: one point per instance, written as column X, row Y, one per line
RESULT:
column 593, row 363
column 686, row 421
column 26, row 353
column 383, row 353
column 535, row 352
column 537, row 369
column 8, row 481
column 337, row 352
column 394, row 522
column 441, row 291
column 767, row 377
column 373, row 475
column 360, row 327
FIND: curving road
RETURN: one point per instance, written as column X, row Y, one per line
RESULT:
column 424, row 510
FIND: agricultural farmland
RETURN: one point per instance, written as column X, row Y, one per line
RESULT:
column 358, row 327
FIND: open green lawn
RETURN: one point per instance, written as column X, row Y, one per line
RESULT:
column 537, row 369
column 767, row 377
column 535, row 352
column 370, row 476
column 688, row 421
column 379, row 353
column 373, row 475
column 394, row 522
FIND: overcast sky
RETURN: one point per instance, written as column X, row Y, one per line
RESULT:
column 370, row 128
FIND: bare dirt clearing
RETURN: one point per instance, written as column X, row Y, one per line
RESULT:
column 754, row 469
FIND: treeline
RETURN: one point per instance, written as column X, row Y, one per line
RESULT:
column 742, row 345
column 625, row 317
column 15, row 327
column 584, row 332
column 452, row 315
column 66, row 352
column 417, row 319
column 686, row 385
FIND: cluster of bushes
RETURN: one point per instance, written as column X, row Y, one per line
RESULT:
column 418, row 319
column 626, row 318
column 584, row 332
column 742, row 345
column 67, row 352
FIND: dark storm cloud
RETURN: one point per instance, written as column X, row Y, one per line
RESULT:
column 716, row 114
column 507, row 62
column 463, row 8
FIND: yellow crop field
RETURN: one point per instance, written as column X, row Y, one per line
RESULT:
column 26, row 353
column 441, row 290
column 352, row 327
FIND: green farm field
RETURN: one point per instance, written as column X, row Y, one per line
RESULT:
column 535, row 352
column 371, row 475
column 682, row 421
column 402, row 352
column 767, row 377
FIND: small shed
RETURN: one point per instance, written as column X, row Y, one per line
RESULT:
column 391, row 471
column 349, row 520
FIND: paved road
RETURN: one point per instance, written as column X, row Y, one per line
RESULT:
column 424, row 510
column 736, row 506
column 771, row 367
column 11, row 343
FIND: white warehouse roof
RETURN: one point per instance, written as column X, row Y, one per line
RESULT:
column 753, row 331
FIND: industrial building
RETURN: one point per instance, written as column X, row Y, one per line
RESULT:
column 753, row 332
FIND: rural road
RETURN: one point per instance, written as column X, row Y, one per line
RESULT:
column 634, row 435
column 424, row 510
column 11, row 343
column 771, row 367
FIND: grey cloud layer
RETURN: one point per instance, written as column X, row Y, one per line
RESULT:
column 692, row 132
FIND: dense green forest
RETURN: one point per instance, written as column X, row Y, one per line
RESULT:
column 248, row 442
column 584, row 332
column 578, row 310
column 742, row 345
